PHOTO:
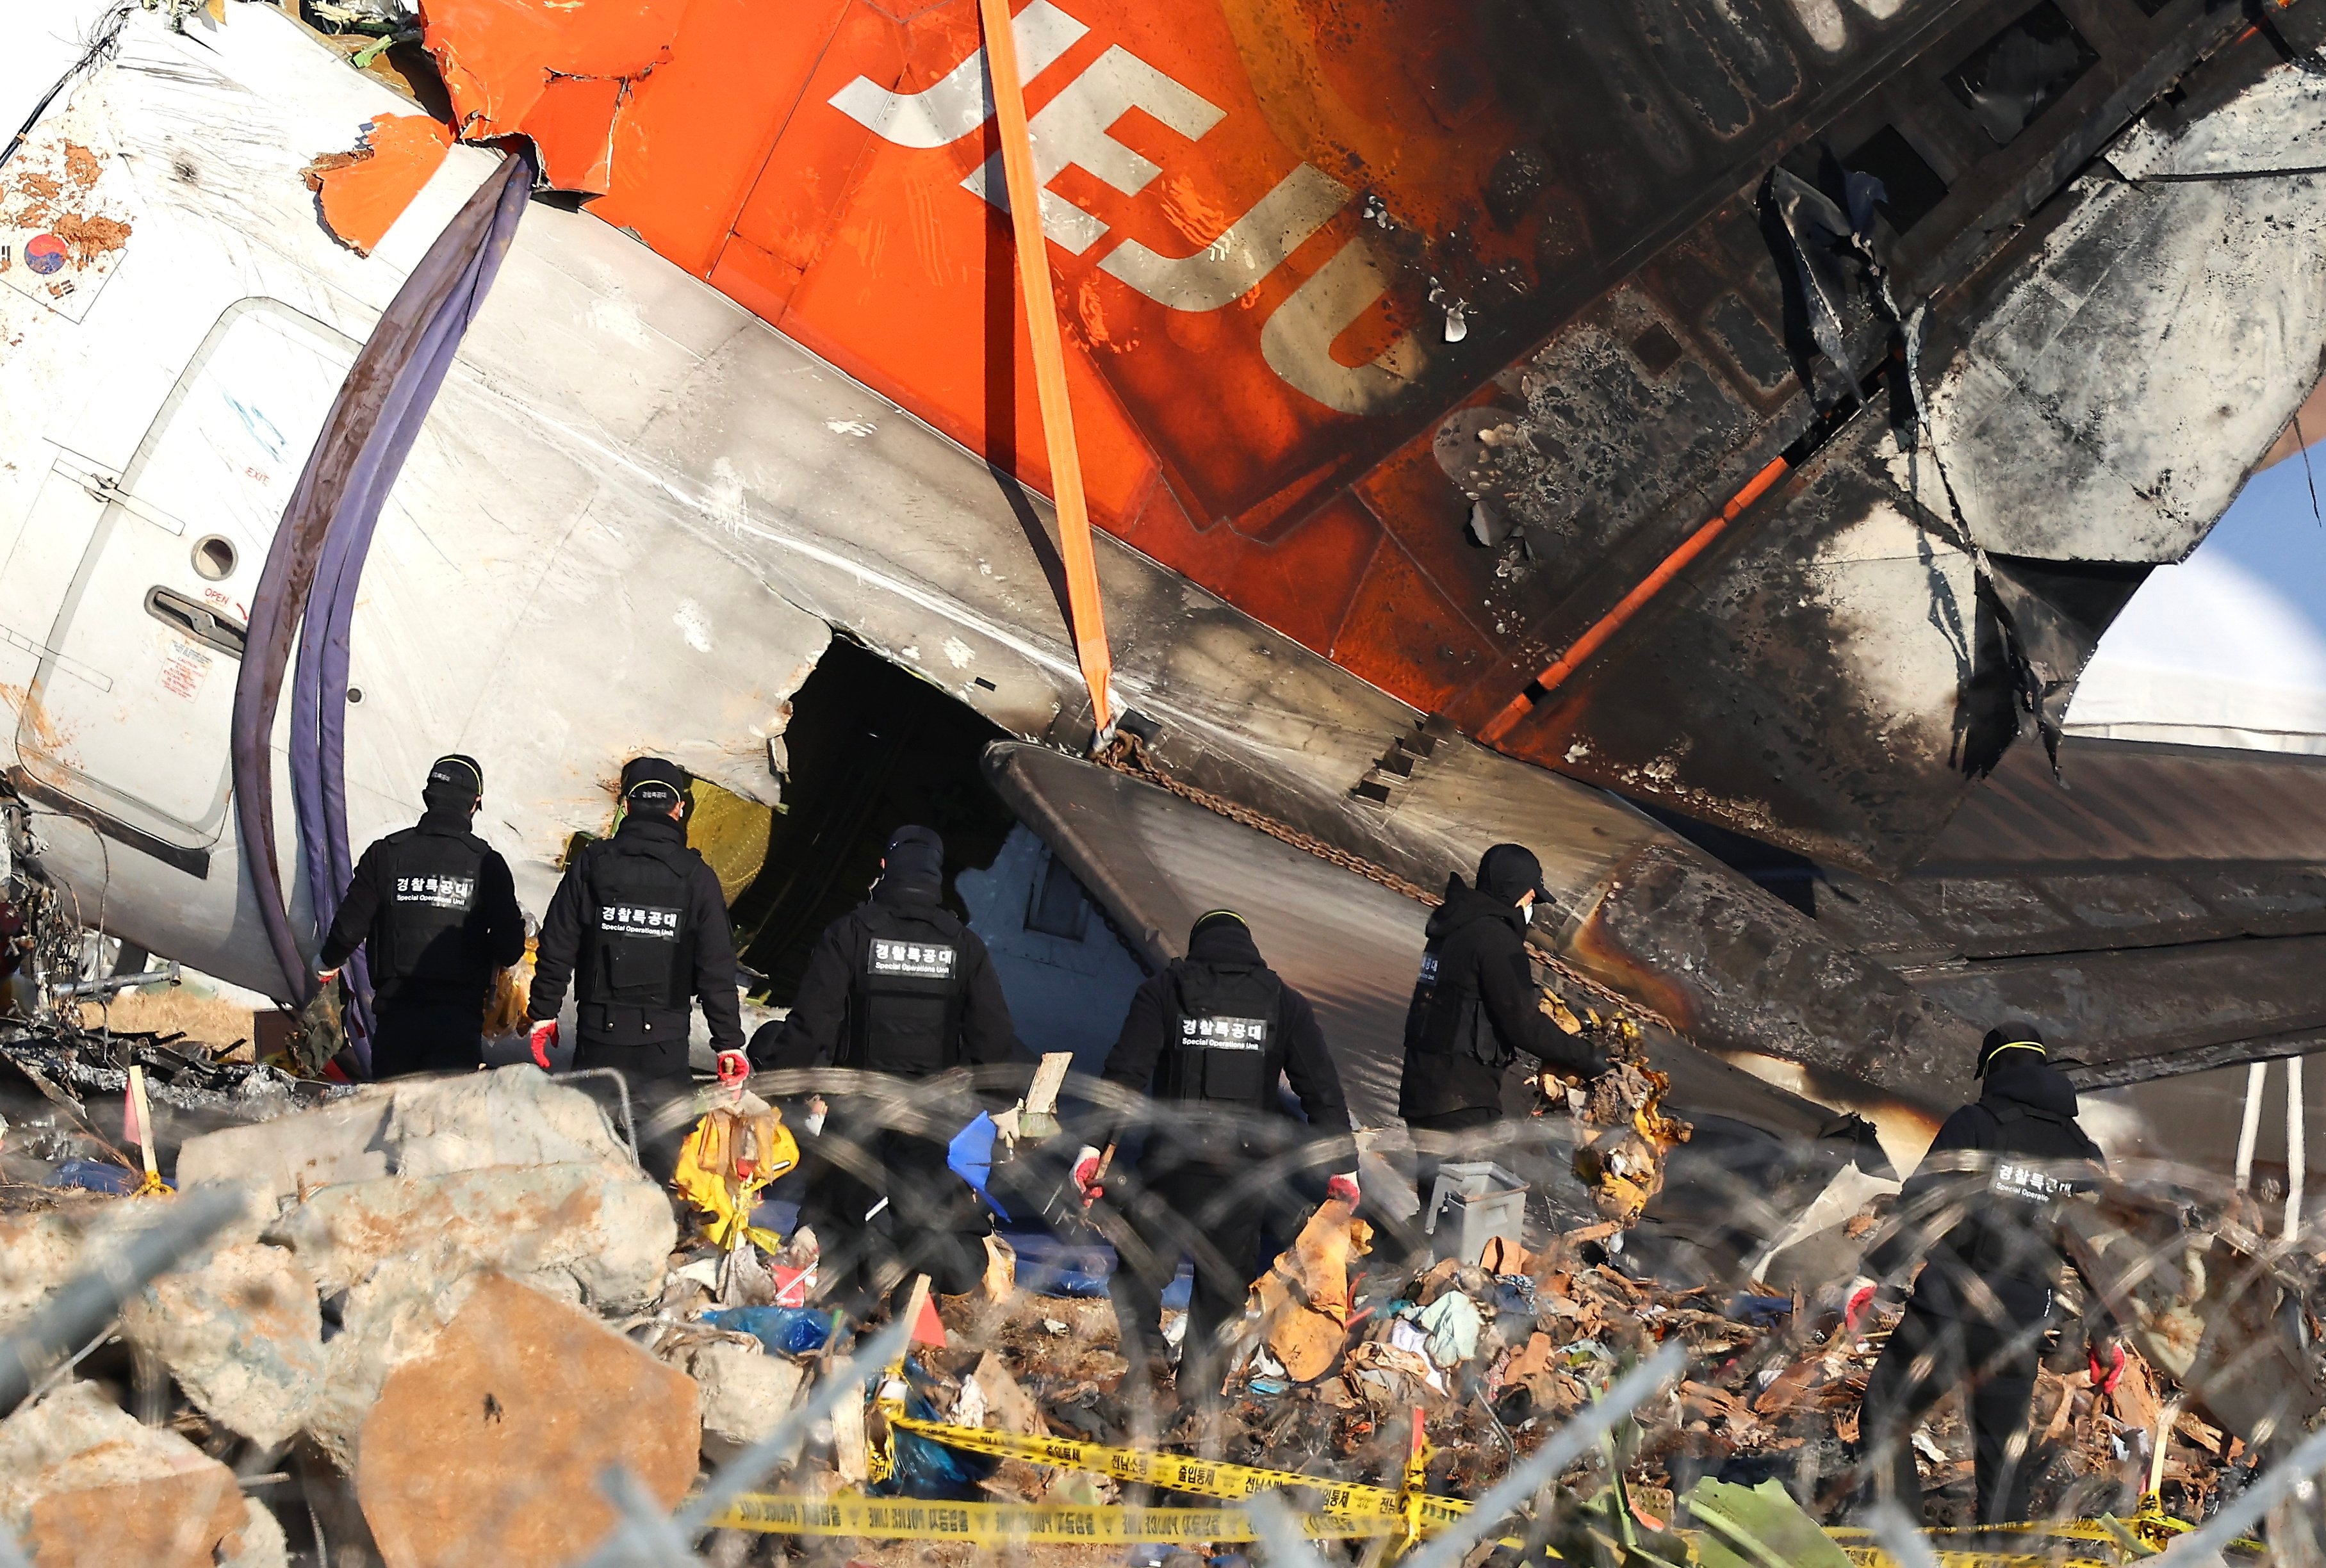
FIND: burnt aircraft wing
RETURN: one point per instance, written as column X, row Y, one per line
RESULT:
column 2165, row 913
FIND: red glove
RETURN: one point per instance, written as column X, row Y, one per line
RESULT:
column 545, row 1035
column 734, row 1067
column 1855, row 1311
column 2104, row 1380
column 1086, row 1177
column 325, row 977
column 1344, row 1187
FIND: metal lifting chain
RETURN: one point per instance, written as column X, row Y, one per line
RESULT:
column 1128, row 754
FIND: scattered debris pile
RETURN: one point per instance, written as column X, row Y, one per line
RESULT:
column 450, row 1307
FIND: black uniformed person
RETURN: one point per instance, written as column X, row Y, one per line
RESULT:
column 435, row 912
column 1208, row 1039
column 897, row 985
column 1477, row 1007
column 1979, row 1210
column 640, row 925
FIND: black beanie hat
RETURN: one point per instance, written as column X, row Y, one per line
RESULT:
column 915, row 851
column 1215, row 917
column 654, row 784
column 454, row 783
column 2018, row 1036
column 1508, row 871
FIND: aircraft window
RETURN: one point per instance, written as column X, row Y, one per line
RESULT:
column 215, row 558
column 189, row 619
column 2021, row 71
column 1910, row 186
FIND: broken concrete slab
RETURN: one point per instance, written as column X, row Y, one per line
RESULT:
column 745, row 1392
column 41, row 1252
column 81, row 1481
column 488, row 1445
column 512, row 1116
column 262, row 1543
column 292, row 1154
column 587, row 1231
column 242, row 1337
column 398, row 1258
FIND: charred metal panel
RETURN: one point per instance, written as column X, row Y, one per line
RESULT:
column 1607, row 425
column 1831, row 683
column 1923, row 919
column 1825, row 691
column 2137, row 361
column 2129, row 801
column 1741, row 971
column 2136, row 1011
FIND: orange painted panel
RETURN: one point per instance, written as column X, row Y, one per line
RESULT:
column 362, row 196
column 1302, row 585
column 555, row 71
column 753, row 279
column 1404, row 636
column 696, row 132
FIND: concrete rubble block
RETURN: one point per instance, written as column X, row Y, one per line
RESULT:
column 588, row 1231
column 385, row 1321
column 242, row 1335
column 82, row 1482
column 41, row 1252
column 745, row 1392
column 512, row 1116
column 38, row 1253
column 263, row 1544
column 343, row 1141
column 486, row 1445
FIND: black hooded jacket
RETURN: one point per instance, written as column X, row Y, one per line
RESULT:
column 1299, row 1052
column 1475, row 965
column 1979, row 1207
column 565, row 946
column 906, row 906
column 490, row 935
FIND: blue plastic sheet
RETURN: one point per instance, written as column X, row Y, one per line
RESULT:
column 970, row 1157
column 96, row 1176
column 931, row 1470
column 784, row 1330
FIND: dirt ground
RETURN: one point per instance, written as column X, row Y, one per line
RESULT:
column 174, row 1010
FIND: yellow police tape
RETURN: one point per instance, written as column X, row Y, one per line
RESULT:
column 1201, row 1478
column 904, row 1519
column 1347, row 1510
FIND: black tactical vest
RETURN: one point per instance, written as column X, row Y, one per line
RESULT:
column 2013, row 1231
column 1222, row 1035
column 640, row 945
column 905, row 998
column 428, row 901
column 1447, row 1018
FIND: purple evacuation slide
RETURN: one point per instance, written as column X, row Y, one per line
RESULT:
column 316, row 559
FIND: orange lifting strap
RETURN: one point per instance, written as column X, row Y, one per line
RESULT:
column 1089, row 618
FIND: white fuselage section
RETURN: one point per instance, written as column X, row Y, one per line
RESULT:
column 633, row 519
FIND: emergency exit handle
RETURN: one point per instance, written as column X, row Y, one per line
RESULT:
column 193, row 618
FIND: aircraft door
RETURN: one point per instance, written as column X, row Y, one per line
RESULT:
column 130, row 711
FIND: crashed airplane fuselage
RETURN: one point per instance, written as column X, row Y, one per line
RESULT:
column 1392, row 408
